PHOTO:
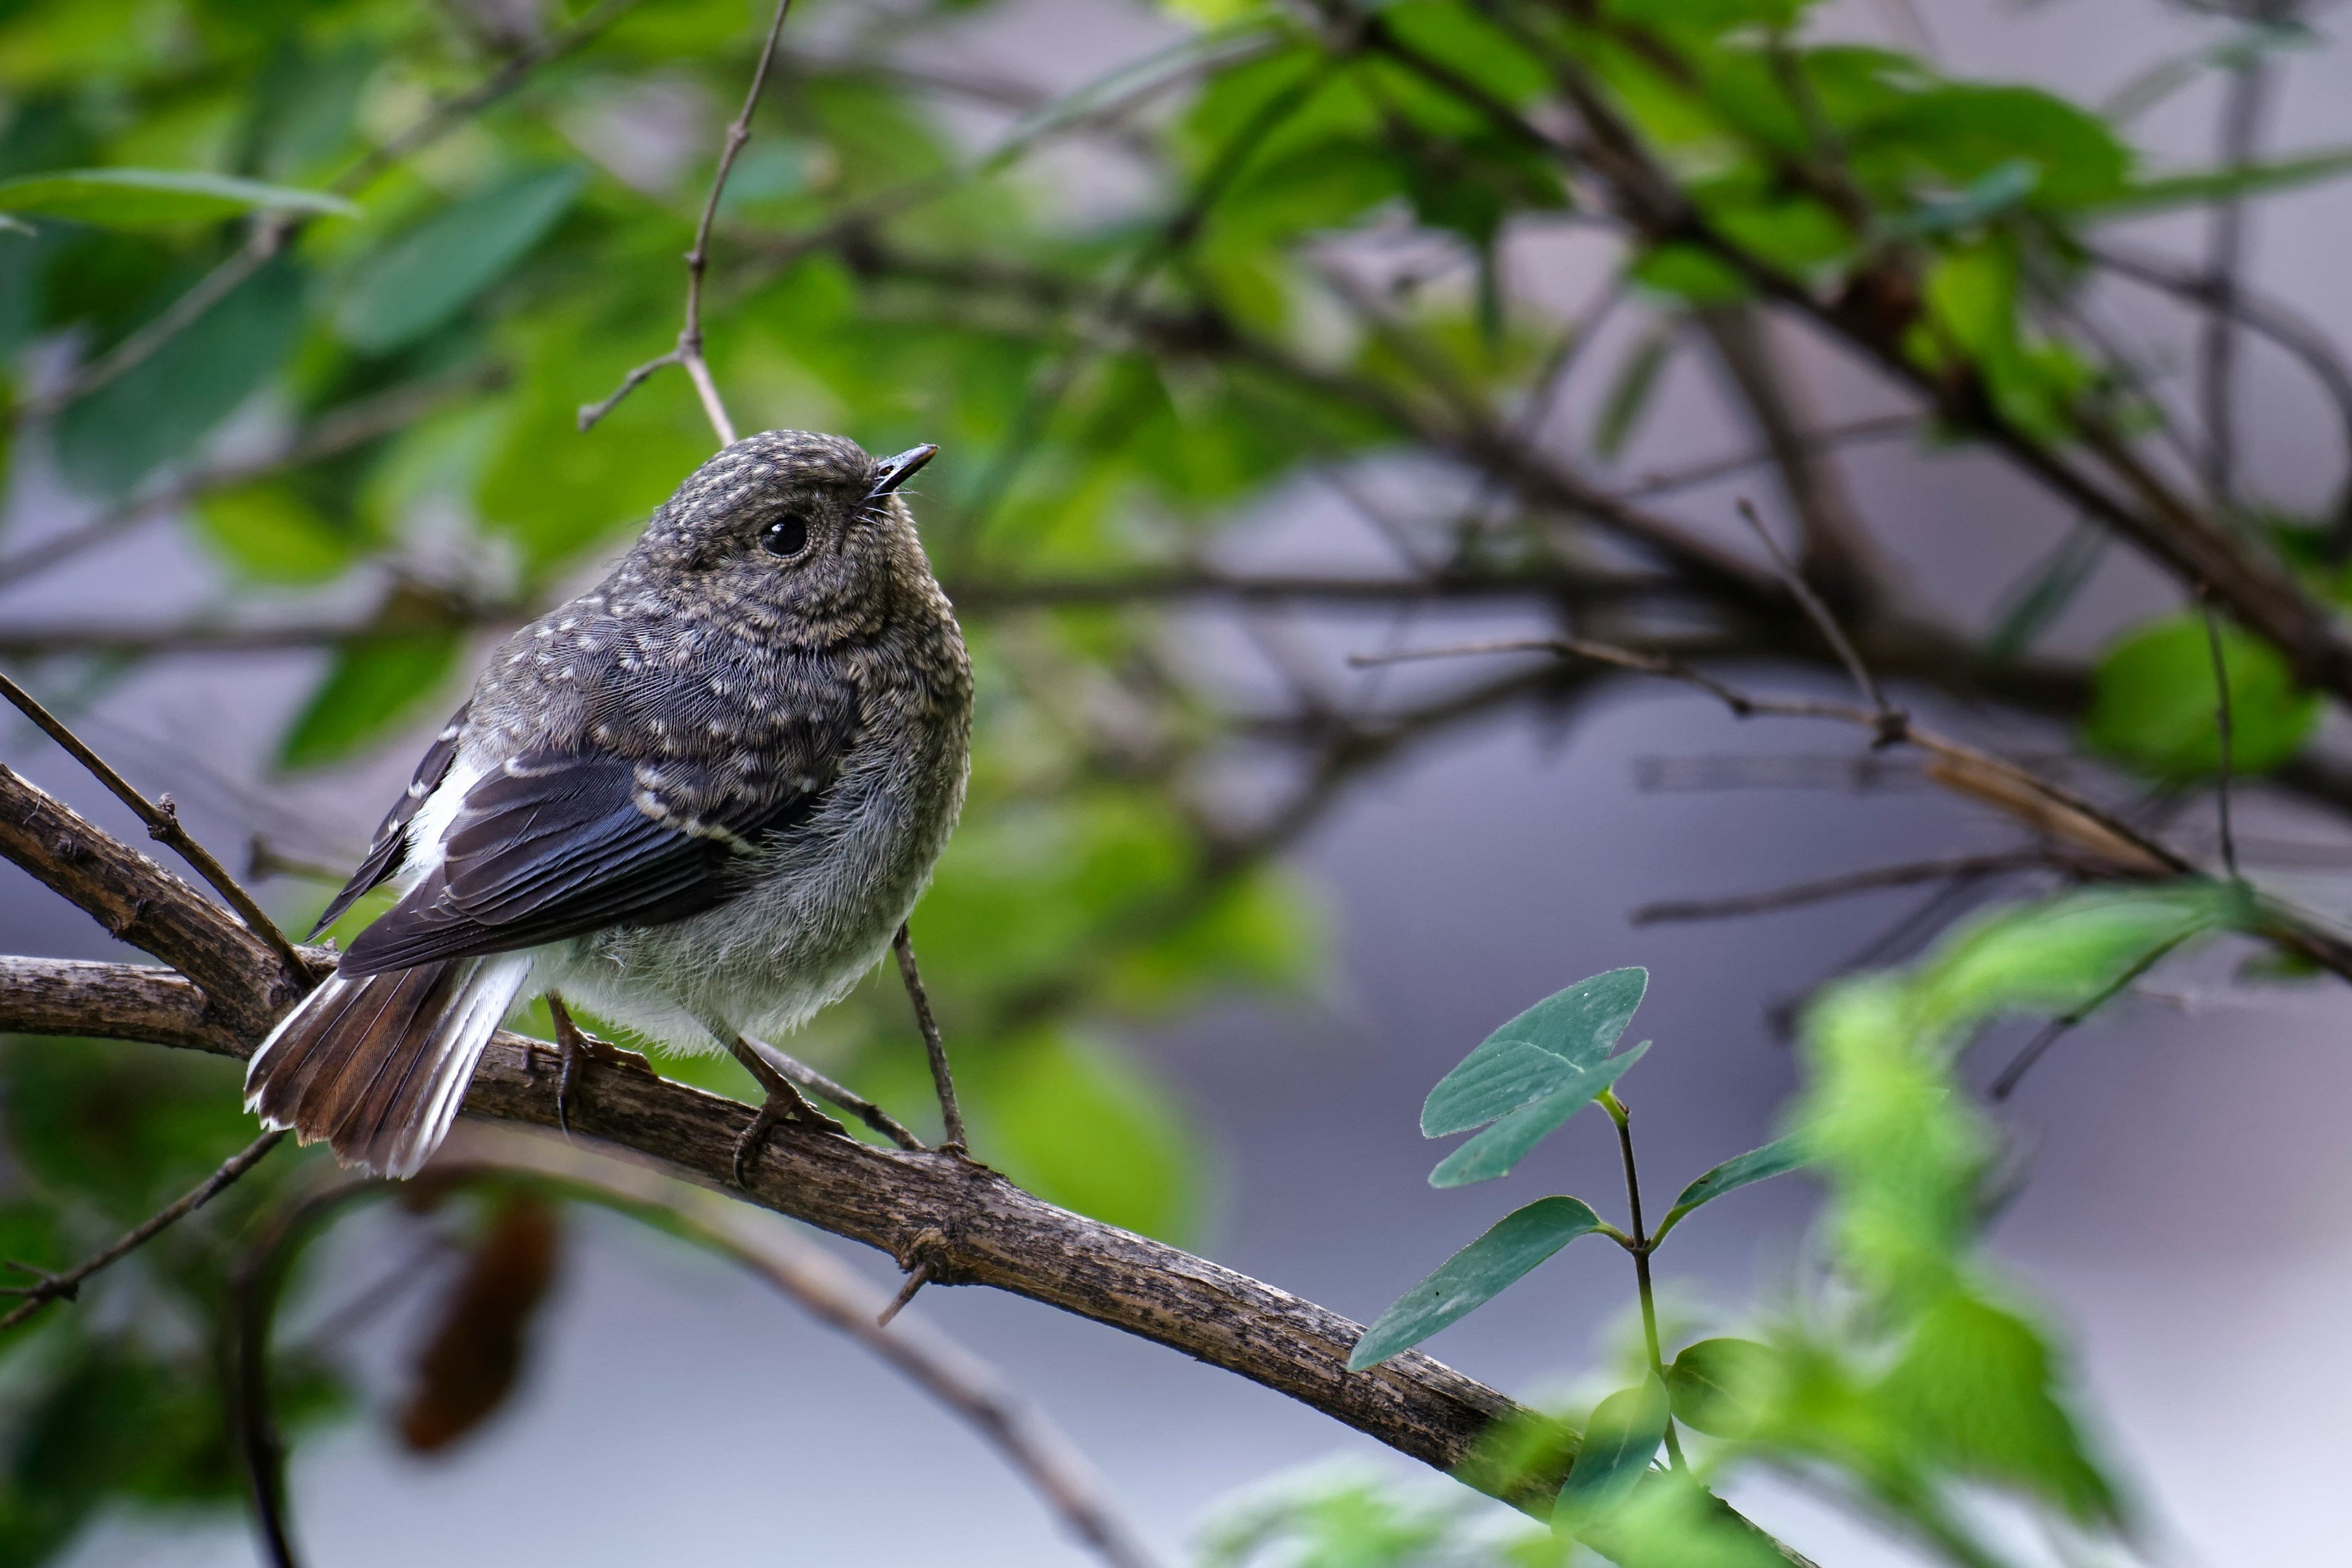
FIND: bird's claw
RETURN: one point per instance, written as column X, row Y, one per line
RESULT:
column 782, row 1104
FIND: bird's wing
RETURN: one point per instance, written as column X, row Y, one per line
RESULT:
column 388, row 851
column 556, row 843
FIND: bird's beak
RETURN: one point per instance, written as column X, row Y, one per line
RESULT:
column 896, row 471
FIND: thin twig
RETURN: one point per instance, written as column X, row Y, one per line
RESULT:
column 271, row 231
column 2022, row 1062
column 2040, row 805
column 163, row 825
column 916, row 1277
column 268, row 237
column 1890, row 721
column 1640, row 1247
column 2224, row 732
column 1667, row 481
column 449, row 113
column 340, row 431
column 66, row 1286
column 1908, row 874
column 688, row 351
column 2271, row 319
column 2241, row 115
column 942, row 1080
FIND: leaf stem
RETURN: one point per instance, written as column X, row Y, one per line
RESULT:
column 1620, row 1114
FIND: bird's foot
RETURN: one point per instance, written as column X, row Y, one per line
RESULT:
column 784, row 1103
column 573, row 1044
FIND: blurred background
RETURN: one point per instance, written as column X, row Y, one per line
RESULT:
column 1224, row 906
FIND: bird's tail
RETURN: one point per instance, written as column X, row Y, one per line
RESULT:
column 376, row 1065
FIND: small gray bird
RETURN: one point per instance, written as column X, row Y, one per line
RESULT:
column 699, row 798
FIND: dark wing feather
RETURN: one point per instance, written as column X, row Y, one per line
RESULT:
column 557, row 845
column 390, row 845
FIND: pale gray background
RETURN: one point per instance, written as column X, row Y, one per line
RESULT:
column 2184, row 1220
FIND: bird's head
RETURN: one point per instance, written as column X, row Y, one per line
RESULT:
column 801, row 534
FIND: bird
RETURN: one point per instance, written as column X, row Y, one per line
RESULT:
column 698, row 801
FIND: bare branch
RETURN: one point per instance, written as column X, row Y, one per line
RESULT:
column 138, row 901
column 2243, row 108
column 935, row 1048
column 1839, row 558
column 2269, row 319
column 965, row 1222
column 68, row 1286
column 163, row 820
column 272, row 230
column 2040, row 806
column 1890, row 721
column 340, row 431
column 1875, row 880
column 688, row 351
column 110, row 1002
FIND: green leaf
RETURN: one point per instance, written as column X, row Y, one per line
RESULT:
column 271, row 534
column 1494, row 1152
column 130, row 198
column 1629, row 395
column 1719, row 1386
column 1474, row 1276
column 374, row 683
column 1620, row 1440
column 1975, row 1386
column 1570, row 1030
column 1776, row 1158
column 1688, row 274
column 2203, row 185
column 2059, row 954
column 159, row 408
column 2153, row 702
column 423, row 277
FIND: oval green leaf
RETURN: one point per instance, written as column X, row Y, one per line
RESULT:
column 1474, row 1276
column 1718, row 1386
column 422, row 277
column 1568, row 1032
column 2153, row 702
column 1494, row 1152
column 1620, row 1440
column 129, row 198
column 1776, row 1158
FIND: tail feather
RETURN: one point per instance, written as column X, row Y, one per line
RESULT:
column 376, row 1065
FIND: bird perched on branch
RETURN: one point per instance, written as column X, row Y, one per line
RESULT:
column 699, row 798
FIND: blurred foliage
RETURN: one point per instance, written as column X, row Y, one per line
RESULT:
column 115, row 1399
column 1912, row 1380
column 1112, row 380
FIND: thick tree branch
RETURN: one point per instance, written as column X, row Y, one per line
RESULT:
column 1874, row 315
column 140, row 903
column 962, row 1221
column 163, row 820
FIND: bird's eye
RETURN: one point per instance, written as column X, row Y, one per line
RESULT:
column 786, row 536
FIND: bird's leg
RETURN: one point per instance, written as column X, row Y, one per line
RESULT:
column 950, row 1114
column 810, row 1080
column 784, row 1102
column 571, row 1043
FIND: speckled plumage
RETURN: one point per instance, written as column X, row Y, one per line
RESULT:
column 703, row 794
